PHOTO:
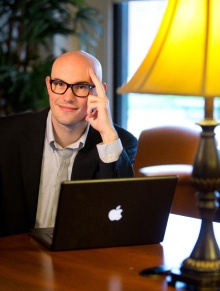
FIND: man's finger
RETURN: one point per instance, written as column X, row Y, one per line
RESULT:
column 99, row 87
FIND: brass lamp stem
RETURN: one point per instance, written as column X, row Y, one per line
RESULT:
column 209, row 107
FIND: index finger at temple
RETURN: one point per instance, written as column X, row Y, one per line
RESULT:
column 99, row 87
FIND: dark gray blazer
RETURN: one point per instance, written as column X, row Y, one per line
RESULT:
column 21, row 150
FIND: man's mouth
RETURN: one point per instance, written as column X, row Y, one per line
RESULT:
column 67, row 109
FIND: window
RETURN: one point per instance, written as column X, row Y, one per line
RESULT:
column 143, row 111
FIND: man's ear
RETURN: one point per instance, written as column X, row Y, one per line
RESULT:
column 105, row 86
column 47, row 80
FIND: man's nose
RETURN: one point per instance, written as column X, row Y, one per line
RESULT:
column 68, row 95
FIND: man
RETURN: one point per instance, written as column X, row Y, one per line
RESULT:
column 76, row 133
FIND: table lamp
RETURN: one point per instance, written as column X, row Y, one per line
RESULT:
column 184, row 59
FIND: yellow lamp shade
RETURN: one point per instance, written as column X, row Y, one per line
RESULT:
column 184, row 58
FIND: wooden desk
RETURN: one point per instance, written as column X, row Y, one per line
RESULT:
column 26, row 265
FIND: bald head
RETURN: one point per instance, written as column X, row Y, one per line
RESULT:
column 75, row 63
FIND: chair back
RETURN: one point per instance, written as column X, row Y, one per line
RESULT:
column 166, row 145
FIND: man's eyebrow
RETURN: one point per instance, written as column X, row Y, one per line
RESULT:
column 82, row 82
column 77, row 83
column 57, row 79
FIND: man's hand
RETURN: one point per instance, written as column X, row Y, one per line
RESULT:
column 98, row 111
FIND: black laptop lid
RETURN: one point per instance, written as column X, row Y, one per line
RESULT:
column 112, row 212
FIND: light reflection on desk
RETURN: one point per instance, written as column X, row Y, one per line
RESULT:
column 115, row 284
column 47, row 271
column 180, row 238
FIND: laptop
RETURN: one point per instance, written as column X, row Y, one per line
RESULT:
column 110, row 213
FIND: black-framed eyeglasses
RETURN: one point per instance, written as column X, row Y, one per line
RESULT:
column 81, row 90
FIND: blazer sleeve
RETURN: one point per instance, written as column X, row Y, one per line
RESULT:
column 123, row 167
column 88, row 165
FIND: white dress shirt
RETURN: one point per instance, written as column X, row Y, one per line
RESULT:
column 52, row 155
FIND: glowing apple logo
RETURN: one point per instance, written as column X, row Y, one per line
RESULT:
column 115, row 214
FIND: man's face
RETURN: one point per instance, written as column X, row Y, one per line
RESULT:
column 68, row 109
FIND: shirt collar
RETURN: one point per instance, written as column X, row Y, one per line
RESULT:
column 51, row 140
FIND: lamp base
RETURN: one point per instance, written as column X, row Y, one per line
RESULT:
column 201, row 270
column 195, row 281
